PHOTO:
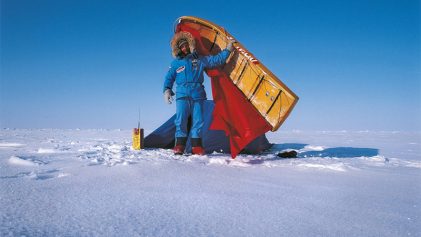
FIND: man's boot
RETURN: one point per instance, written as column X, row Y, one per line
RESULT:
column 197, row 148
column 180, row 145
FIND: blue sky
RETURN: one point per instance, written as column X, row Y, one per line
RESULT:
column 91, row 64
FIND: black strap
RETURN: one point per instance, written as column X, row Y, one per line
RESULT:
column 241, row 74
column 214, row 41
column 257, row 87
column 270, row 108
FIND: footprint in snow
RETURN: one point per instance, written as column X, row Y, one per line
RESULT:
column 38, row 175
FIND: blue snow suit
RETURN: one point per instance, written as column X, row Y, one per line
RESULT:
column 187, row 73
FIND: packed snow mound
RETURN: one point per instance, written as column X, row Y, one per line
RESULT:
column 313, row 148
column 14, row 160
column 10, row 145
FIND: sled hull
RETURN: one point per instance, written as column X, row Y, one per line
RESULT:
column 260, row 87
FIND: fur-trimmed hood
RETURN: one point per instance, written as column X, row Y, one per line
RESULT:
column 177, row 37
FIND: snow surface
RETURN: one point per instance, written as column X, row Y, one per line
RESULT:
column 91, row 183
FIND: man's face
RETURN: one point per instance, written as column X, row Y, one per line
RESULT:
column 185, row 48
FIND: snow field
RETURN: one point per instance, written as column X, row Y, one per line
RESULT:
column 91, row 183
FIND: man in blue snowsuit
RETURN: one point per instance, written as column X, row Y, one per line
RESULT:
column 187, row 72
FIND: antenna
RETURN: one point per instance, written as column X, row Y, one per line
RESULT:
column 138, row 121
column 137, row 136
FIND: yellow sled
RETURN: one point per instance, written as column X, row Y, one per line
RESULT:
column 272, row 98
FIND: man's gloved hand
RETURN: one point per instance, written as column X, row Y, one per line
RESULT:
column 168, row 96
column 230, row 46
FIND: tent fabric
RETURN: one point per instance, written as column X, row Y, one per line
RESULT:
column 233, row 114
column 213, row 140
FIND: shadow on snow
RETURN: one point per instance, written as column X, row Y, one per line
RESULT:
column 336, row 152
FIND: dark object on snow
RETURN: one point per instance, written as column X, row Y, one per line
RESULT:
column 213, row 140
column 288, row 154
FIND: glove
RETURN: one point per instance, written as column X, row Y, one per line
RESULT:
column 168, row 96
column 230, row 45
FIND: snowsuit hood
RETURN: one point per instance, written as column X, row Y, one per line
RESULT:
column 176, row 52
